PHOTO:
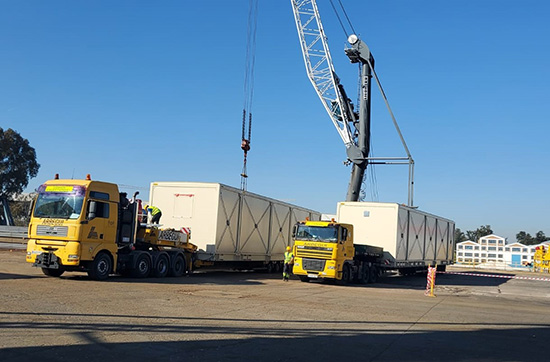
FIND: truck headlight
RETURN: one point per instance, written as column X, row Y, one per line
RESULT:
column 297, row 264
column 73, row 256
column 331, row 267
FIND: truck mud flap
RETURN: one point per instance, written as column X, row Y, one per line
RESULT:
column 47, row 260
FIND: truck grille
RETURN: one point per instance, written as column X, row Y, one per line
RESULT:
column 47, row 230
column 313, row 264
column 313, row 252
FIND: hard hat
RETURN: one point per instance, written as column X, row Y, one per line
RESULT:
column 288, row 248
column 145, row 207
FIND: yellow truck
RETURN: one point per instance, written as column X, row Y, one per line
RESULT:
column 87, row 225
column 325, row 250
column 370, row 238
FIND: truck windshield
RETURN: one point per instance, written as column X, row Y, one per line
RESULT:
column 59, row 201
column 327, row 234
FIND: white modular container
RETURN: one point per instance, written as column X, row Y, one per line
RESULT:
column 410, row 237
column 226, row 223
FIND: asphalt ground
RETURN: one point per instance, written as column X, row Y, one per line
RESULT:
column 251, row 316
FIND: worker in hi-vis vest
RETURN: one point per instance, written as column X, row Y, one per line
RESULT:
column 155, row 212
column 289, row 261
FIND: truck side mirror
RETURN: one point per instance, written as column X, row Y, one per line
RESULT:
column 31, row 206
column 294, row 230
column 91, row 210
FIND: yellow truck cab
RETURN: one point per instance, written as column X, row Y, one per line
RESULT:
column 87, row 225
column 325, row 250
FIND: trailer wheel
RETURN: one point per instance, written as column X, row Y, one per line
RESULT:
column 178, row 267
column 53, row 272
column 162, row 266
column 101, row 267
column 142, row 267
column 270, row 267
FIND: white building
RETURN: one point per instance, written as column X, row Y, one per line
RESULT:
column 494, row 250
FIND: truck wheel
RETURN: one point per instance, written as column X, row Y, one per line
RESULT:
column 53, row 272
column 162, row 266
column 142, row 267
column 363, row 274
column 101, row 267
column 304, row 278
column 178, row 267
column 346, row 274
column 373, row 274
column 270, row 267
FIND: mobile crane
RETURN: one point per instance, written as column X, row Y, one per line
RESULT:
column 343, row 250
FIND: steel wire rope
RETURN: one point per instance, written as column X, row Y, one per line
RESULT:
column 250, row 62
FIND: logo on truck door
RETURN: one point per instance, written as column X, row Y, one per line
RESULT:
column 92, row 234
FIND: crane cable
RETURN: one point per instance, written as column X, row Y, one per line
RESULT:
column 248, row 85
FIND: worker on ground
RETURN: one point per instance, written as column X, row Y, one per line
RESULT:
column 289, row 262
column 155, row 212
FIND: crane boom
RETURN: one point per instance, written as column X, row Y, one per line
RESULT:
column 326, row 83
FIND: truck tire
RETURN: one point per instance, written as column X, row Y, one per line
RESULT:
column 177, row 268
column 441, row 268
column 162, row 266
column 304, row 278
column 363, row 277
column 53, row 272
column 346, row 274
column 100, row 267
column 142, row 268
column 373, row 274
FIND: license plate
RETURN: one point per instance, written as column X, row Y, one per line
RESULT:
column 312, row 276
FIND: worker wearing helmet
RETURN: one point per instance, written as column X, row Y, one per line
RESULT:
column 155, row 212
column 289, row 263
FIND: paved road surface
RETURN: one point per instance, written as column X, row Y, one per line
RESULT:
column 258, row 317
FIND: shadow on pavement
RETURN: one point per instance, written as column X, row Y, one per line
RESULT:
column 262, row 340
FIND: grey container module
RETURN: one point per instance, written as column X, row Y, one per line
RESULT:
column 228, row 224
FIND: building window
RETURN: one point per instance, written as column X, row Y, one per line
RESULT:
column 483, row 241
column 501, row 242
column 460, row 254
column 524, row 257
column 492, row 248
column 483, row 248
column 461, row 247
column 476, row 255
column 483, row 260
column 476, row 247
column 492, row 255
column 483, row 255
column 516, row 250
column 507, row 249
column 524, row 250
column 467, row 254
column 500, row 256
column 460, row 259
column 500, row 248
column 492, row 241
column 469, row 247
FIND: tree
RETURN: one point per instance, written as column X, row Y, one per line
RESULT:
column 540, row 237
column 17, row 163
column 525, row 238
column 459, row 236
column 480, row 232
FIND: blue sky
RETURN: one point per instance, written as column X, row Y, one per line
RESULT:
column 140, row 91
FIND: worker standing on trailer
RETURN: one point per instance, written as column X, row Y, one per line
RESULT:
column 155, row 212
column 289, row 261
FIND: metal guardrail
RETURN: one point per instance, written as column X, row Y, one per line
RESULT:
column 14, row 232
